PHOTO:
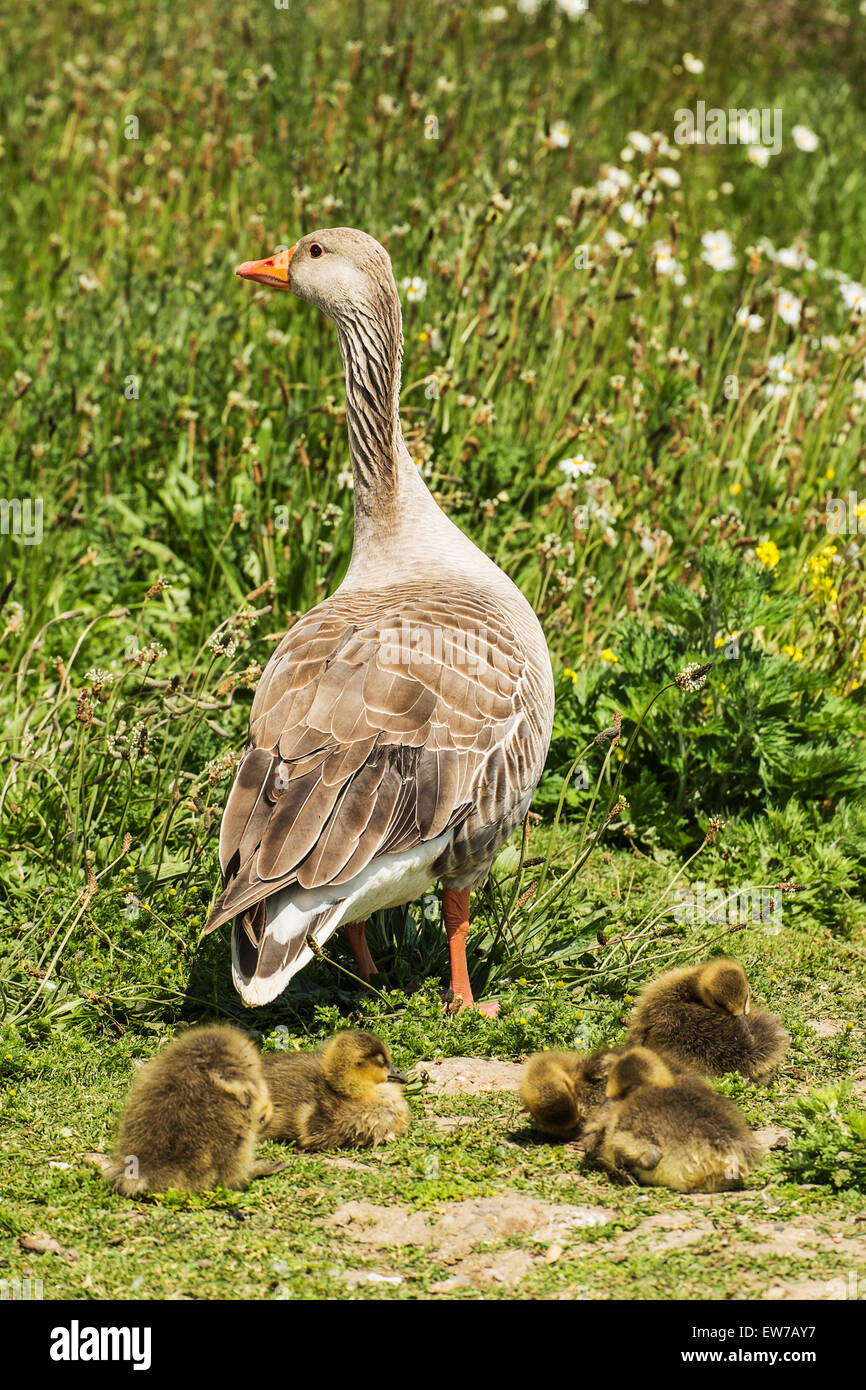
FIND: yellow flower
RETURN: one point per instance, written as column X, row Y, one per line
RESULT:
column 795, row 653
column 830, row 474
column 608, row 655
column 768, row 554
column 736, row 489
column 422, row 336
column 569, row 674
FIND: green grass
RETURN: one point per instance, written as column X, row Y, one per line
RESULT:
column 185, row 435
column 276, row 1239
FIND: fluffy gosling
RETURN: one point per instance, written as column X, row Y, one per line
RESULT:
column 667, row 1129
column 702, row 1017
column 561, row 1089
column 193, row 1117
column 341, row 1096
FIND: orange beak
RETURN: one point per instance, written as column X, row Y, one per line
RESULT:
column 273, row 270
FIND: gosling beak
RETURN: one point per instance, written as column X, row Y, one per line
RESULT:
column 394, row 1075
column 273, row 270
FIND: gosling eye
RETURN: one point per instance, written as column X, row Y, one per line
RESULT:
column 316, row 250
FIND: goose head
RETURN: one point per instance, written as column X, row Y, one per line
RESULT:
column 344, row 272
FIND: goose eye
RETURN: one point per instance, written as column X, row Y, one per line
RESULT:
column 315, row 250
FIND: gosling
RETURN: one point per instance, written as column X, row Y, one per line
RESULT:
column 669, row 1130
column 193, row 1117
column 341, row 1096
column 702, row 1017
column 561, row 1089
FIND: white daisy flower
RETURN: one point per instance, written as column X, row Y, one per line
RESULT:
column 804, row 138
column 573, row 8
column 414, row 288
column 692, row 64
column 613, row 181
column 854, row 296
column 642, row 143
column 664, row 260
column 860, row 388
column 718, row 252
column 614, row 239
column 669, row 176
column 759, row 155
column 789, row 308
column 560, row 135
column 345, row 479
column 577, row 467
column 529, row 7
column 631, row 215
column 781, row 375
column 747, row 131
column 746, row 319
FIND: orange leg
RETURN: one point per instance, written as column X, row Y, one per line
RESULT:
column 455, row 910
column 357, row 934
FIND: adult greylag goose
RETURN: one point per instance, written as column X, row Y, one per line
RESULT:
column 400, row 728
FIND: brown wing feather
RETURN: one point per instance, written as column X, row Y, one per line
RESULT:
column 361, row 744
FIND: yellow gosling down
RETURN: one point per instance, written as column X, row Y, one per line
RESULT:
column 703, row 1017
column 341, row 1096
column 561, row 1089
column 664, row 1129
column 193, row 1117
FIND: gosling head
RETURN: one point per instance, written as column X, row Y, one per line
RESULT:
column 355, row 1063
column 637, row 1067
column 722, row 984
column 343, row 271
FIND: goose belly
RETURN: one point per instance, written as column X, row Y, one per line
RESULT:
column 388, row 881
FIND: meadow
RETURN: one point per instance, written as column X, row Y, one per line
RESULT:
column 635, row 374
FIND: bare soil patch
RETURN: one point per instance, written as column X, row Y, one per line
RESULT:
column 455, row 1076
